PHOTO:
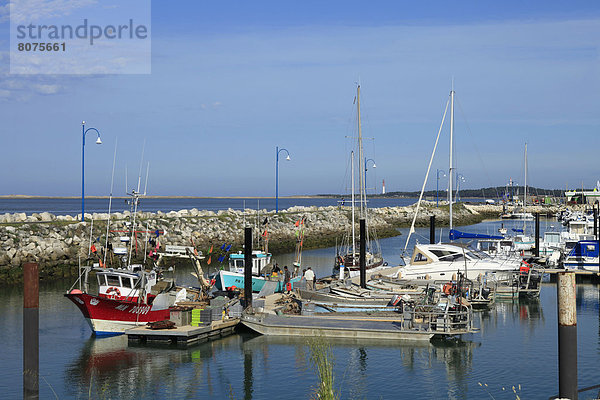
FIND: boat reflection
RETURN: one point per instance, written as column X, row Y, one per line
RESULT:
column 109, row 368
column 352, row 358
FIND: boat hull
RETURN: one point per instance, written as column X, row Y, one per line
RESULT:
column 357, row 328
column 108, row 317
column 227, row 279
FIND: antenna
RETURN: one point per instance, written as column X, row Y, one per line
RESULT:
column 141, row 164
column 146, row 184
column 112, row 180
column 126, row 186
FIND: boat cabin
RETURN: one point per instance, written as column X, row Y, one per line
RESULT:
column 123, row 285
column 584, row 249
column 260, row 260
column 425, row 254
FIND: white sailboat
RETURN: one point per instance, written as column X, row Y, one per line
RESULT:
column 348, row 256
column 442, row 260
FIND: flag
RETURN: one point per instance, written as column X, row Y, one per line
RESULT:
column 228, row 248
column 195, row 252
column 297, row 223
column 264, row 233
column 157, row 233
column 266, row 221
column 93, row 248
column 209, row 260
column 101, row 264
column 221, row 258
column 223, row 247
column 211, row 249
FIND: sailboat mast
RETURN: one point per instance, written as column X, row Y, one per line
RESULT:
column 361, row 167
column 525, row 196
column 451, row 169
column 352, row 223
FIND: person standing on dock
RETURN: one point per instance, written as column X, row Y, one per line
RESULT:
column 310, row 279
column 286, row 279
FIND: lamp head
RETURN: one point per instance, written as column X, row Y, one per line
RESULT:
column 82, row 122
column 374, row 165
column 98, row 141
column 288, row 158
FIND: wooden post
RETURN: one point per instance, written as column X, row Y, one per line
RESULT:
column 537, row 234
column 248, row 267
column 596, row 222
column 432, row 229
column 31, row 342
column 567, row 335
column 363, row 254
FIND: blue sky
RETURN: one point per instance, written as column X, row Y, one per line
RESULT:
column 231, row 81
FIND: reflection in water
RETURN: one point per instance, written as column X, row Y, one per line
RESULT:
column 109, row 368
column 526, row 312
column 248, row 374
column 352, row 368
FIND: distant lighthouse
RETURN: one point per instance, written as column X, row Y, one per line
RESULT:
column 383, row 187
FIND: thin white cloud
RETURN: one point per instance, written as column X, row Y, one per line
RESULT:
column 46, row 89
column 34, row 10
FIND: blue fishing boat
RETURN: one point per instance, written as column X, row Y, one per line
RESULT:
column 583, row 256
column 233, row 278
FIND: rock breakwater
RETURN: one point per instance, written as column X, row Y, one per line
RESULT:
column 58, row 242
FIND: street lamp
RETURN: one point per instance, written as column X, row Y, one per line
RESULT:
column 437, row 186
column 277, row 151
column 366, row 168
column 98, row 141
column 459, row 178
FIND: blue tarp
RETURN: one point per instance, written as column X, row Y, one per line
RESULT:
column 585, row 248
column 517, row 230
column 454, row 235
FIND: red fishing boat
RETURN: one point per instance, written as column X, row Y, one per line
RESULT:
column 126, row 298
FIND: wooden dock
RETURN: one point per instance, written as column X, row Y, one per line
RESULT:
column 581, row 275
column 182, row 336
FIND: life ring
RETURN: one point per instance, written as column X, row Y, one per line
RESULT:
column 110, row 290
column 447, row 289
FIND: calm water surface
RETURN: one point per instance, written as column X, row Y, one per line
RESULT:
column 517, row 345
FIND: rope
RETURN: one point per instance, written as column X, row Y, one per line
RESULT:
column 487, row 176
column 412, row 226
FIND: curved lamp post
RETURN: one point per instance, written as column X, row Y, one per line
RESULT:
column 437, row 186
column 366, row 168
column 98, row 141
column 459, row 178
column 277, row 151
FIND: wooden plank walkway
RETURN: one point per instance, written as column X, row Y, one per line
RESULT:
column 182, row 336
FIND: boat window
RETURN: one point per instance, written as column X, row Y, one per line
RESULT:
column 449, row 257
column 440, row 253
column 419, row 257
column 112, row 280
column 127, row 282
column 239, row 263
column 445, row 255
column 591, row 247
column 101, row 280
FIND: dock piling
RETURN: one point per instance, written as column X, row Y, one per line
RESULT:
column 595, row 222
column 248, row 267
column 31, row 343
column 363, row 253
column 432, row 229
column 537, row 234
column 567, row 335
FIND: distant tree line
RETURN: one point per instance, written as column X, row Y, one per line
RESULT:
column 488, row 193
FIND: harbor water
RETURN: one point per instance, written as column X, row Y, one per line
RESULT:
column 514, row 353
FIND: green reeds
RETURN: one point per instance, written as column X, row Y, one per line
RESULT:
column 321, row 357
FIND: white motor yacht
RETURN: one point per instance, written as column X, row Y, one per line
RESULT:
column 443, row 260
